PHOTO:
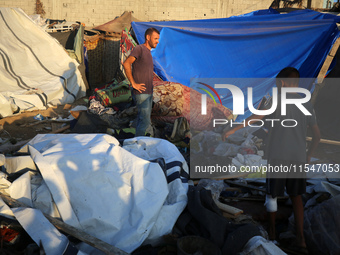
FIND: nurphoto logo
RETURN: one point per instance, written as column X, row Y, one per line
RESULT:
column 238, row 104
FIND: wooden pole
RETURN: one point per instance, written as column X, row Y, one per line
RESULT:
column 75, row 232
column 309, row 4
column 324, row 69
column 228, row 209
column 244, row 185
column 60, row 130
column 325, row 141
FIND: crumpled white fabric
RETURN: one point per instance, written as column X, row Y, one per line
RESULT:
column 107, row 191
column 150, row 149
column 260, row 246
column 41, row 230
column 35, row 69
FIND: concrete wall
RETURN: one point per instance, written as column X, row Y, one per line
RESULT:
column 27, row 5
column 97, row 12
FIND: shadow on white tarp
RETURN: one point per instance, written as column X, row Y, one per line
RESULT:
column 111, row 192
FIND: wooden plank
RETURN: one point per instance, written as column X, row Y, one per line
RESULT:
column 43, row 121
column 230, row 176
column 254, row 199
column 257, row 199
column 223, row 177
column 324, row 69
column 328, row 60
column 75, row 232
column 34, row 123
column 228, row 209
column 244, row 185
column 233, row 189
column 309, row 4
column 60, row 130
column 325, row 141
column 228, row 215
column 55, row 126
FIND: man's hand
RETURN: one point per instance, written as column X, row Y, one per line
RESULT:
column 140, row 87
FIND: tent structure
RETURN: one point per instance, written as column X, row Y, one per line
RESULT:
column 35, row 70
column 118, row 24
column 254, row 45
column 102, row 44
column 73, row 42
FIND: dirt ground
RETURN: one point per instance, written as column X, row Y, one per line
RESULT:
column 23, row 127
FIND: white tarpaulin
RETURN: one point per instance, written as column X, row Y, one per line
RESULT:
column 41, row 230
column 34, row 68
column 176, row 167
column 109, row 192
column 257, row 245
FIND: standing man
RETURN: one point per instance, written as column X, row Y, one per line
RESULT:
column 287, row 148
column 141, row 76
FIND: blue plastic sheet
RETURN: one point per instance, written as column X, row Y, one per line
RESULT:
column 254, row 45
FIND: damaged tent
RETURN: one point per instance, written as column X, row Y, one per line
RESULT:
column 254, row 45
column 72, row 39
column 35, row 69
column 118, row 24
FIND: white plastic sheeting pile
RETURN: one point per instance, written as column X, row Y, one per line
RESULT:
column 111, row 192
column 38, row 227
column 260, row 246
column 34, row 68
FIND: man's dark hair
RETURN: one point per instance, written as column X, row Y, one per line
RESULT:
column 288, row 74
column 149, row 31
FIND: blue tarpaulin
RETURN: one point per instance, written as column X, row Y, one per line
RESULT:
column 254, row 45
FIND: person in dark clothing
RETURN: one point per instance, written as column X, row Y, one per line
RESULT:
column 286, row 147
column 139, row 70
